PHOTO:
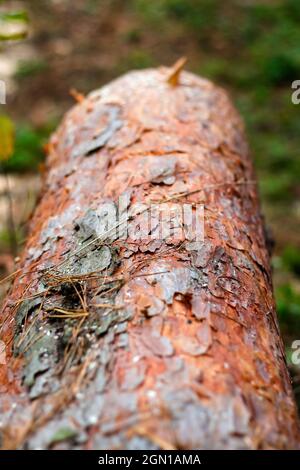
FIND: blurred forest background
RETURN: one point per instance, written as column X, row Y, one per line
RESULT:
column 252, row 48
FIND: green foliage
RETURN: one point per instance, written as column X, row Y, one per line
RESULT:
column 28, row 153
column 13, row 19
column 7, row 134
column 291, row 259
column 30, row 67
column 288, row 306
column 5, row 238
column 134, row 35
column 13, row 36
column 137, row 59
column 276, row 188
column 14, row 16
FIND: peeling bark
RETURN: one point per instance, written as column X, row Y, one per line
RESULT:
column 114, row 342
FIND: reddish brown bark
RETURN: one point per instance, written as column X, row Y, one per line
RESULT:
column 186, row 352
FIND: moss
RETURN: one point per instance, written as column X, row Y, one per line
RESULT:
column 62, row 434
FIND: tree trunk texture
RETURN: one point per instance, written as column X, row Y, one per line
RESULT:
column 120, row 339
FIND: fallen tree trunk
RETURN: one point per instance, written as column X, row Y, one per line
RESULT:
column 142, row 313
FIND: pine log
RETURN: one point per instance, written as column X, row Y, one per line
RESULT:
column 124, row 336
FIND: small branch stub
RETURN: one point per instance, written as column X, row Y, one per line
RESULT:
column 78, row 97
column 173, row 78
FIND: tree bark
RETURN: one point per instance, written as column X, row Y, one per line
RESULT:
column 124, row 335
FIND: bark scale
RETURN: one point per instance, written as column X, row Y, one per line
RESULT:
column 124, row 329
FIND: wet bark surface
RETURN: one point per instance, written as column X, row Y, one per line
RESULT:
column 120, row 339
